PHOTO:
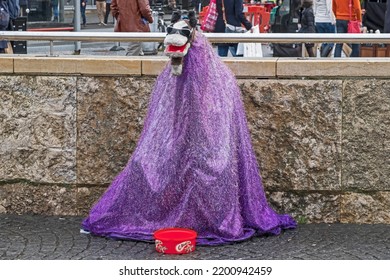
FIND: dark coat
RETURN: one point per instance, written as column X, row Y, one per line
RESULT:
column 234, row 15
column 13, row 8
column 130, row 15
column 307, row 21
column 387, row 18
column 4, row 20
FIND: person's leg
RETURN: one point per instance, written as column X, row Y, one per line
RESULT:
column 326, row 27
column 83, row 17
column 108, row 9
column 55, row 12
column 233, row 49
column 103, row 10
column 355, row 50
column 100, row 5
column 341, row 27
column 223, row 50
column 134, row 49
column 310, row 50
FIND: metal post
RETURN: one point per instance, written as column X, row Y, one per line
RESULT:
column 51, row 48
column 76, row 24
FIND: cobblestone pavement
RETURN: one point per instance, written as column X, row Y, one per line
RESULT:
column 53, row 237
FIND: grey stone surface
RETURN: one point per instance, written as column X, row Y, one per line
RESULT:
column 22, row 198
column 38, row 128
column 110, row 119
column 296, row 128
column 307, row 207
column 322, row 145
column 366, row 135
column 50, row 238
column 53, row 199
column 371, row 208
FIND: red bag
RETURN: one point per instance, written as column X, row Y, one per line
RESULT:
column 208, row 24
column 354, row 26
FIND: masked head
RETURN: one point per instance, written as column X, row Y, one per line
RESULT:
column 179, row 37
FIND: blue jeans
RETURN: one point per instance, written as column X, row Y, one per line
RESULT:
column 223, row 49
column 325, row 27
column 342, row 27
column 82, row 11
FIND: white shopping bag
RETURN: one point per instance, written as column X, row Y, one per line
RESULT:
column 250, row 49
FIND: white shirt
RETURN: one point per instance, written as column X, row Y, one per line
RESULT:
column 323, row 11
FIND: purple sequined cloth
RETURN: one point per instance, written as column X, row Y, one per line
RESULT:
column 194, row 165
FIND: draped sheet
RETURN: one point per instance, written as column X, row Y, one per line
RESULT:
column 194, row 165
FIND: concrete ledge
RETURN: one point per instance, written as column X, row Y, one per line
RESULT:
column 76, row 65
column 45, row 65
column 255, row 68
column 109, row 66
column 339, row 67
column 241, row 67
column 153, row 66
column 6, row 65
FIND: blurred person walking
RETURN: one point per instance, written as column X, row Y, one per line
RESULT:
column 230, row 20
column 101, row 11
column 132, row 16
column 307, row 24
column 346, row 10
column 4, row 21
column 83, row 7
column 108, row 11
column 325, row 22
column 10, row 12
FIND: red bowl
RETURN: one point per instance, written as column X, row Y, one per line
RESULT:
column 175, row 240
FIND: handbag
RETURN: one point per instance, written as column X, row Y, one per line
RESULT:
column 208, row 24
column 353, row 25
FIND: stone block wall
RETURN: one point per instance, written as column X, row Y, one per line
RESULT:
column 321, row 138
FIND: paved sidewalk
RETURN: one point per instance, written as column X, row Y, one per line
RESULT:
column 52, row 237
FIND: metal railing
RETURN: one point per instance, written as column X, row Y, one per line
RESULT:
column 367, row 38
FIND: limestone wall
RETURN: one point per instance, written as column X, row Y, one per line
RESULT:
column 320, row 129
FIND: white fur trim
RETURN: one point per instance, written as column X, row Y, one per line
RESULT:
column 177, row 69
column 175, row 39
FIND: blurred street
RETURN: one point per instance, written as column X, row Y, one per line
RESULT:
column 42, row 48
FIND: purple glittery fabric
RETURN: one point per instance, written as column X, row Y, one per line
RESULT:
column 194, row 165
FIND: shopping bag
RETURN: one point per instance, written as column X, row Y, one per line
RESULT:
column 208, row 24
column 8, row 49
column 250, row 49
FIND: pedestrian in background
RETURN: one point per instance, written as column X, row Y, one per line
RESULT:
column 54, row 8
column 325, row 22
column 13, row 12
column 108, row 11
column 343, row 14
column 230, row 20
column 172, row 4
column 132, row 16
column 83, row 7
column 307, row 24
column 4, row 21
column 101, row 11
